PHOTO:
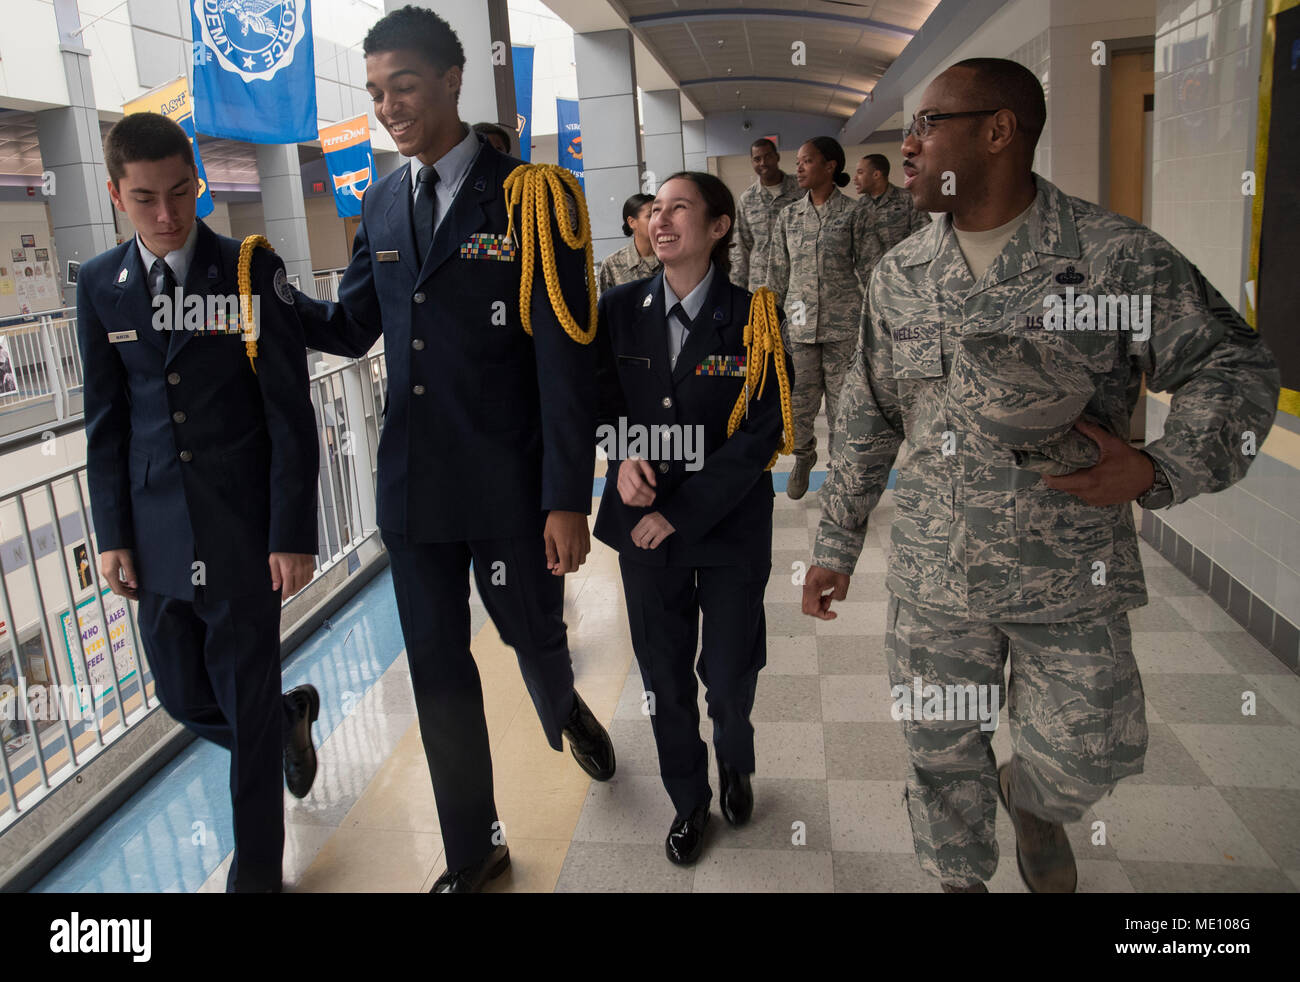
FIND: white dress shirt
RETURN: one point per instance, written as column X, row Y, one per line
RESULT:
column 452, row 167
column 177, row 259
column 691, row 303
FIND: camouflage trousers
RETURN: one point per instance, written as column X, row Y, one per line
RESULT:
column 819, row 369
column 1078, row 725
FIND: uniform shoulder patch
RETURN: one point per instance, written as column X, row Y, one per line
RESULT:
column 282, row 290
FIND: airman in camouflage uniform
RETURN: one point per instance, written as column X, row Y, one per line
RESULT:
column 892, row 215
column 625, row 266
column 821, row 261
column 988, row 560
column 756, row 212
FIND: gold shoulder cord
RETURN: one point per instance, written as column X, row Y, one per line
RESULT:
column 763, row 337
column 244, row 279
column 539, row 189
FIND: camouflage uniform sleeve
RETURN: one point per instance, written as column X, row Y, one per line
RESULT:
column 1223, row 381
column 869, row 434
column 867, row 247
column 778, row 258
column 604, row 276
column 741, row 247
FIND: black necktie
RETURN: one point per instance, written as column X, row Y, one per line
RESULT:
column 423, row 215
column 679, row 312
column 167, row 285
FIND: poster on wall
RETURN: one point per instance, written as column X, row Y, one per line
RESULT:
column 18, row 255
column 6, row 282
column 29, row 241
column 92, row 634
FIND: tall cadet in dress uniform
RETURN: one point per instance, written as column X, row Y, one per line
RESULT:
column 691, row 539
column 637, row 259
column 960, row 356
column 487, row 451
column 202, row 471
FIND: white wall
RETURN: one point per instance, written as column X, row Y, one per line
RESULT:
column 1055, row 40
column 1206, row 71
column 19, row 218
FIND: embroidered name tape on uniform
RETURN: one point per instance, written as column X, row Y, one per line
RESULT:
column 486, row 245
column 728, row 365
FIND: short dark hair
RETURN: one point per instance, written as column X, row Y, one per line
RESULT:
column 492, row 129
column 144, row 136
column 830, row 148
column 763, row 141
column 1010, row 85
column 417, row 29
column 878, row 161
column 718, row 201
column 632, row 206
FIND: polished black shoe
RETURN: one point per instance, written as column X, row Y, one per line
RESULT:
column 735, row 796
column 299, row 754
column 589, row 742
column 686, row 837
column 472, row 878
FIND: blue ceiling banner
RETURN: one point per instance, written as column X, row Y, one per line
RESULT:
column 351, row 163
column 254, row 70
column 569, row 127
column 521, row 57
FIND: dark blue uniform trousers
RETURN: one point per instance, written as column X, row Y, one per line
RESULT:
column 526, row 603
column 216, row 669
column 664, row 604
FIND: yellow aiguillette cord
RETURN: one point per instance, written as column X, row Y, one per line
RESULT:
column 535, row 187
column 763, row 338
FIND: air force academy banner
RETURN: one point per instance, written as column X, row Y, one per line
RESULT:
column 254, row 70
column 173, row 101
column 346, row 146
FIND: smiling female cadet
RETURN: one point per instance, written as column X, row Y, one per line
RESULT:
column 692, row 522
column 637, row 259
column 823, row 251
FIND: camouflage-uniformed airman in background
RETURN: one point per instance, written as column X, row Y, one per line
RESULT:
column 893, row 216
column 637, row 259
column 823, row 251
column 756, row 212
column 973, row 369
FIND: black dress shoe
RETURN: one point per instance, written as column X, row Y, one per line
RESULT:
column 471, row 878
column 589, row 742
column 299, row 754
column 735, row 796
column 686, row 837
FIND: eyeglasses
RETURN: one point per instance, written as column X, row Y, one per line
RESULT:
column 924, row 123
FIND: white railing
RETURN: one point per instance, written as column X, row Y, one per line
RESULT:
column 40, row 364
column 66, row 694
column 39, row 359
column 327, row 283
